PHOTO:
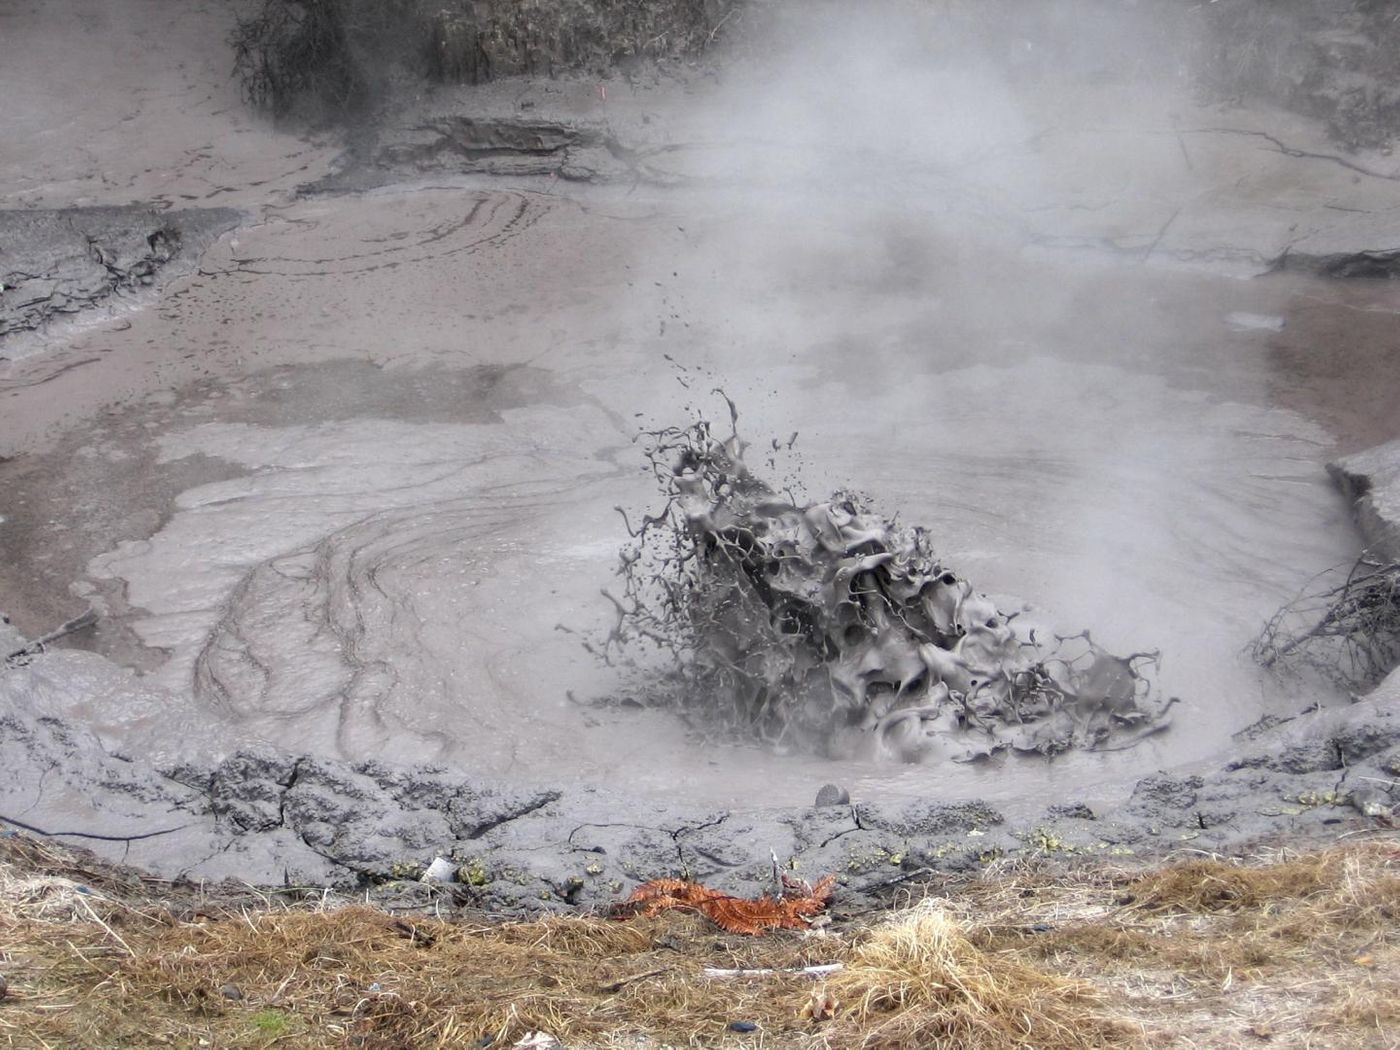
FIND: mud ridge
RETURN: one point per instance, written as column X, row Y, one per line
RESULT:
column 456, row 144
column 1371, row 481
column 68, row 261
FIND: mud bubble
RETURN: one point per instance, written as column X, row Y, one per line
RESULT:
column 825, row 626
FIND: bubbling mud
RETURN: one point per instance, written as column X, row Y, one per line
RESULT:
column 825, row 624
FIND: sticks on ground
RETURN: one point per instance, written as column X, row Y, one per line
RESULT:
column 1350, row 634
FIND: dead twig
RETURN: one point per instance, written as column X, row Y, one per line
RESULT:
column 1349, row 633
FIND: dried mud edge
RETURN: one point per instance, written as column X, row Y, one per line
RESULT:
column 275, row 819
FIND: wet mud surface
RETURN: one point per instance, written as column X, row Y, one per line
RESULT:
column 371, row 556
column 337, row 490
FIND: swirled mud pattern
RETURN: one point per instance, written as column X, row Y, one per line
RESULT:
column 387, row 232
column 325, row 629
column 325, row 547
column 393, row 589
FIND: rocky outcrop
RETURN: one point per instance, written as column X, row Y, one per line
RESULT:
column 57, row 263
column 1331, row 59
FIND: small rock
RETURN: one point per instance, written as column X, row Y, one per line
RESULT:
column 1075, row 810
column 231, row 991
column 440, row 870
column 1372, row 801
column 833, row 795
column 743, row 1026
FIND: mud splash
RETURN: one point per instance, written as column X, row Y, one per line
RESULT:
column 824, row 624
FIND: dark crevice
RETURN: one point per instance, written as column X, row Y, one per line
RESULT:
column 540, row 803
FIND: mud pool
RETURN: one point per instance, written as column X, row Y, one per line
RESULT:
column 347, row 486
column 372, row 557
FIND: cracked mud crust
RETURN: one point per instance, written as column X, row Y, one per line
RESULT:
column 64, row 262
column 272, row 818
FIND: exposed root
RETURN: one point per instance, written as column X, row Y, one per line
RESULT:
column 792, row 910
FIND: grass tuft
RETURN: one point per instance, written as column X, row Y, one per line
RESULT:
column 916, row 980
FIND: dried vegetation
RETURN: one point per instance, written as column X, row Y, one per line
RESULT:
column 1348, row 634
column 1285, row 950
column 332, row 59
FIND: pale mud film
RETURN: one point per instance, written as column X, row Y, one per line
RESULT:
column 825, row 626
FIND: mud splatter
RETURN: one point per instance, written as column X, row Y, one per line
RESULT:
column 827, row 625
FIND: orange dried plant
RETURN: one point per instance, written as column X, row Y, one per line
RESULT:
column 794, row 909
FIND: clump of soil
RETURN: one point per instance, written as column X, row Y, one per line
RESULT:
column 826, row 625
column 329, row 59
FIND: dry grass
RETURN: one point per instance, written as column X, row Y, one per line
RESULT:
column 1296, row 949
column 1288, row 950
column 916, row 980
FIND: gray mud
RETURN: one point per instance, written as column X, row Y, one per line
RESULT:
column 335, row 489
column 277, row 818
column 826, row 625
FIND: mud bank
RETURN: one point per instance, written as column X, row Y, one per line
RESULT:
column 1371, row 481
column 267, row 817
column 57, row 263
